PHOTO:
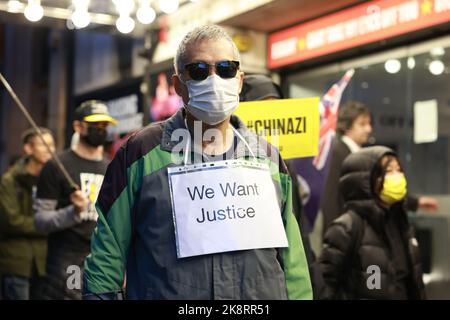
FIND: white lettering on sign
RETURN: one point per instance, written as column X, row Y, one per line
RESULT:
column 315, row 39
column 284, row 48
column 441, row 5
column 388, row 18
column 225, row 206
column 365, row 23
column 335, row 33
column 351, row 28
column 373, row 18
column 408, row 11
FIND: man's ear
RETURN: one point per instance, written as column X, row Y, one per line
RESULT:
column 76, row 126
column 180, row 88
column 27, row 149
column 241, row 80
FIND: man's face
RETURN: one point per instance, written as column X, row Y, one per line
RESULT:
column 37, row 150
column 209, row 51
column 360, row 130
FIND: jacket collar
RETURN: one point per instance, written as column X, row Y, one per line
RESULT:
column 253, row 141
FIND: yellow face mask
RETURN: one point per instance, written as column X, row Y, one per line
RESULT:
column 394, row 188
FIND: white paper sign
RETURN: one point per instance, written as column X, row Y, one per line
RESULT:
column 425, row 121
column 225, row 206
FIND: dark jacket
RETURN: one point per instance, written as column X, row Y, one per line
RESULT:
column 385, row 238
column 135, row 231
column 331, row 204
column 21, row 245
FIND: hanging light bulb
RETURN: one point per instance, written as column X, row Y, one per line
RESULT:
column 34, row 11
column 411, row 63
column 392, row 66
column 80, row 19
column 125, row 24
column 146, row 14
column 168, row 6
column 69, row 24
column 436, row 67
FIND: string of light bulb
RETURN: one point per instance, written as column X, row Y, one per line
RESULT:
column 78, row 15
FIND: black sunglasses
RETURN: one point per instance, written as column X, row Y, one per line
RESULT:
column 201, row 70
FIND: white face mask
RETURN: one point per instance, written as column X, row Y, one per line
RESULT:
column 214, row 99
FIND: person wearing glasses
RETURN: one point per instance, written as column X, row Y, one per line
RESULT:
column 140, row 209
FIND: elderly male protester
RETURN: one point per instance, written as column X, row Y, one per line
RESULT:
column 219, row 226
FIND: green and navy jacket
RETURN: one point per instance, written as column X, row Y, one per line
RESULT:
column 135, row 231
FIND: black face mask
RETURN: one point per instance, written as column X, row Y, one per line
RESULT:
column 95, row 136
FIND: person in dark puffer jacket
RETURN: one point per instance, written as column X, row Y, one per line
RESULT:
column 370, row 252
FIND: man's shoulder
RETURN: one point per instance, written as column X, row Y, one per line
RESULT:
column 149, row 134
column 16, row 169
column 144, row 141
column 339, row 147
column 14, row 176
column 8, row 177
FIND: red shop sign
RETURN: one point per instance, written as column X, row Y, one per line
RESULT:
column 362, row 24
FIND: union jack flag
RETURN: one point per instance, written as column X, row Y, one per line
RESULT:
column 312, row 172
column 328, row 109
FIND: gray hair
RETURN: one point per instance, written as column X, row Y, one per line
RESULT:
column 208, row 32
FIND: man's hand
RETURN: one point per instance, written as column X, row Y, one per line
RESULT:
column 428, row 204
column 79, row 201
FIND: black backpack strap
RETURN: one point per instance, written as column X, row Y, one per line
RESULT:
column 356, row 233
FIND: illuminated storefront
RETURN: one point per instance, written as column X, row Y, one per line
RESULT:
column 394, row 82
column 400, row 51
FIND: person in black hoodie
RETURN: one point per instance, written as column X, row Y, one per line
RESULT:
column 370, row 252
